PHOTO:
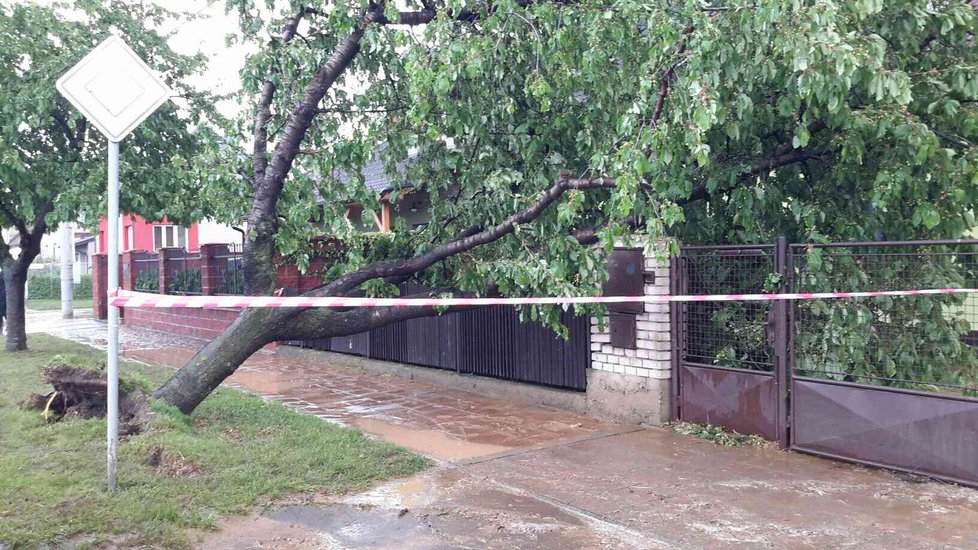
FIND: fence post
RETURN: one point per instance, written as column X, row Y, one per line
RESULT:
column 676, row 336
column 781, row 343
column 100, row 274
column 213, row 261
column 166, row 254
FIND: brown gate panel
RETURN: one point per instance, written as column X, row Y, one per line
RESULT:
column 910, row 431
column 735, row 399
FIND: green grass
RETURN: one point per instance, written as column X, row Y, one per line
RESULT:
column 55, row 303
column 241, row 450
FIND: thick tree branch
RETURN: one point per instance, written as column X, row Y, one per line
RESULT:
column 69, row 135
column 470, row 239
column 263, row 113
column 317, row 323
column 41, row 225
column 427, row 15
column 667, row 79
column 301, row 117
column 18, row 223
column 783, row 156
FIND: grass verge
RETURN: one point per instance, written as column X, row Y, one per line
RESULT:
column 45, row 304
column 236, row 451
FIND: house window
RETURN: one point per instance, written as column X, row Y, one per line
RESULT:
column 165, row 236
column 131, row 239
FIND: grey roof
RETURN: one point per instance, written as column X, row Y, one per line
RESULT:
column 375, row 176
column 84, row 240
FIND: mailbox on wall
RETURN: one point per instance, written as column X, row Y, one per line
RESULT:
column 626, row 277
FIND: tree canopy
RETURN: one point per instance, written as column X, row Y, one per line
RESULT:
column 540, row 128
column 52, row 162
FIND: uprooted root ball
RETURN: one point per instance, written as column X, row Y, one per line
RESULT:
column 81, row 392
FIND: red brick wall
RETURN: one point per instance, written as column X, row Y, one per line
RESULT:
column 100, row 271
column 288, row 276
column 206, row 324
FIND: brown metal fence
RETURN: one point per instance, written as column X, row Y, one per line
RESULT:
column 487, row 341
column 727, row 369
column 886, row 381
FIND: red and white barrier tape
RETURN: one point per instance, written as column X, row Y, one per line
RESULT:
column 143, row 300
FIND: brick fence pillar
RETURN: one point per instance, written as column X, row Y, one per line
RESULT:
column 100, row 274
column 633, row 385
column 165, row 255
column 128, row 278
column 213, row 262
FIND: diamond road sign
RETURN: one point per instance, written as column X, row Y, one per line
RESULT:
column 113, row 88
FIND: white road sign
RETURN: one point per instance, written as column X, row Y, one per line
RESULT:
column 113, row 88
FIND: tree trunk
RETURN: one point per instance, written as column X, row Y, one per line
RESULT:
column 250, row 332
column 16, row 282
column 255, row 328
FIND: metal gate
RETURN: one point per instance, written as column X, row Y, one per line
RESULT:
column 887, row 381
column 728, row 370
column 884, row 381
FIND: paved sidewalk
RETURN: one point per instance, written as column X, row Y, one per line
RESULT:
column 516, row 476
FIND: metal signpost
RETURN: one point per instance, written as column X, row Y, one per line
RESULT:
column 116, row 91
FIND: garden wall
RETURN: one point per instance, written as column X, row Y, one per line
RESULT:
column 216, row 269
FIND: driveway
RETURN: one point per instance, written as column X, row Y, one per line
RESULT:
column 508, row 475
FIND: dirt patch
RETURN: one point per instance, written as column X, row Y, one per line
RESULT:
column 82, row 392
column 172, row 463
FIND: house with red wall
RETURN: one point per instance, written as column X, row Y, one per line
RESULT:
column 139, row 234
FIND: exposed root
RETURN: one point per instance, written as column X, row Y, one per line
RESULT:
column 81, row 392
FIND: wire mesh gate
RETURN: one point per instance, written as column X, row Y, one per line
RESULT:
column 890, row 382
column 731, row 361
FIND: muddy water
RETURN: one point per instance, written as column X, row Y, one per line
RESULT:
column 436, row 510
column 432, row 443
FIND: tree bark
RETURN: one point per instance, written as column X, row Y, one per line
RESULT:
column 15, row 278
column 255, row 328
column 218, row 359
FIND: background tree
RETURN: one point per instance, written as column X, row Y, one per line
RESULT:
column 52, row 162
column 540, row 128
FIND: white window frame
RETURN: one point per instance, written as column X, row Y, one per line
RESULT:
column 169, row 236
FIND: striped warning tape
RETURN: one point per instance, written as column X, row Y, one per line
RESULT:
column 125, row 298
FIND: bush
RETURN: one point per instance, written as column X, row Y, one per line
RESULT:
column 84, row 288
column 148, row 281
column 44, row 287
column 185, row 281
column 48, row 287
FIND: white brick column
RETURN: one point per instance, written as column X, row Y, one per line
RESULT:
column 633, row 385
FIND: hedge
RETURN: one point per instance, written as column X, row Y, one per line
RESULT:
column 49, row 287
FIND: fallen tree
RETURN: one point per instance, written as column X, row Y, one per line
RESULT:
column 539, row 129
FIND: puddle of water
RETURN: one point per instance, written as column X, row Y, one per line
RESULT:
column 430, row 442
column 352, row 527
column 410, row 491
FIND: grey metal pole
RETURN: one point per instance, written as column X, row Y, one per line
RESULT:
column 67, row 277
column 112, row 416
